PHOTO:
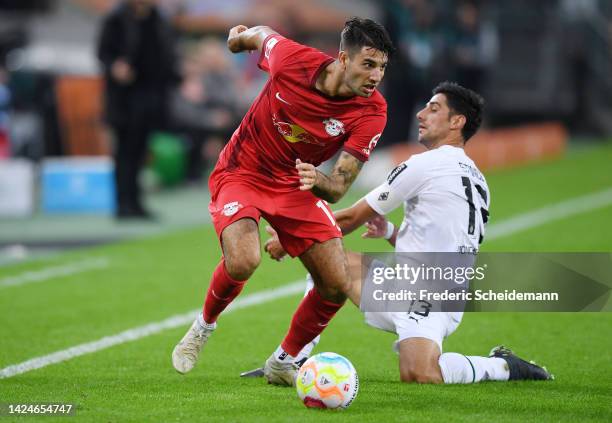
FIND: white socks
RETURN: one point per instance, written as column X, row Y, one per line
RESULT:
column 204, row 325
column 305, row 353
column 458, row 368
column 282, row 356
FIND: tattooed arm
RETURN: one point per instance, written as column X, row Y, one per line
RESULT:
column 333, row 187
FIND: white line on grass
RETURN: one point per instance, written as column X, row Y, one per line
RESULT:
column 510, row 226
column 550, row 213
column 146, row 330
column 54, row 272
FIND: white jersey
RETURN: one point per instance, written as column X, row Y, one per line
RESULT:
column 446, row 201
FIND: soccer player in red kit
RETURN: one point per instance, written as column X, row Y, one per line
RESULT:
column 311, row 107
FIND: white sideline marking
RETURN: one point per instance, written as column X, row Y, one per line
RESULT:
column 146, row 330
column 54, row 272
column 550, row 213
column 507, row 227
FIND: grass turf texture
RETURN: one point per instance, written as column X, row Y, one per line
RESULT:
column 149, row 280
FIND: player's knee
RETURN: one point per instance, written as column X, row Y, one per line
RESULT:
column 410, row 374
column 332, row 292
column 241, row 267
column 336, row 288
column 345, row 287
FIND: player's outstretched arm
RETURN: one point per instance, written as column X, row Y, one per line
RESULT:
column 333, row 187
column 243, row 38
column 380, row 227
column 348, row 219
column 353, row 217
column 361, row 213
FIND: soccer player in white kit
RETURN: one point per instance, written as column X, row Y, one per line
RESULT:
column 446, row 201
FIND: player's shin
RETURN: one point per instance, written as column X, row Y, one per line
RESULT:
column 309, row 320
column 304, row 354
column 458, row 368
column 221, row 292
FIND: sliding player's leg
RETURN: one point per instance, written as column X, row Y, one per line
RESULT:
column 327, row 264
column 421, row 360
column 241, row 256
column 418, row 361
column 420, row 336
column 501, row 365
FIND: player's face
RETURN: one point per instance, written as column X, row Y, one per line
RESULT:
column 364, row 70
column 434, row 121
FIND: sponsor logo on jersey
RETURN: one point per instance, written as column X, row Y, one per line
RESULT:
column 294, row 133
column 333, row 127
column 232, row 208
column 395, row 172
column 269, row 46
column 383, row 196
column 371, row 145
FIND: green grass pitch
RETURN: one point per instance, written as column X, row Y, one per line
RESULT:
column 151, row 279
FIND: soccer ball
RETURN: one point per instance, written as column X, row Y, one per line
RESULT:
column 327, row 380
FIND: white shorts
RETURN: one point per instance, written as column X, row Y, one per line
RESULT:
column 435, row 325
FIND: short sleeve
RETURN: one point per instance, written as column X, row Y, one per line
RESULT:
column 275, row 52
column 365, row 135
column 403, row 183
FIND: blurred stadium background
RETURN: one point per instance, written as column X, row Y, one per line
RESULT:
column 545, row 68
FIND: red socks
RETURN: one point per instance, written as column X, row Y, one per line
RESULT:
column 221, row 292
column 309, row 320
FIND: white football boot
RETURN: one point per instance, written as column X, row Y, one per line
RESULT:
column 280, row 373
column 186, row 352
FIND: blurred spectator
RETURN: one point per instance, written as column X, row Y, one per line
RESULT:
column 205, row 105
column 137, row 52
column 587, row 46
column 474, row 46
column 5, row 98
column 419, row 63
column 289, row 17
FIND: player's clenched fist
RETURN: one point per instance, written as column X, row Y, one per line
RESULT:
column 307, row 173
column 273, row 245
column 233, row 39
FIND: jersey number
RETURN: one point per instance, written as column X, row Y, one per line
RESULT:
column 330, row 216
column 470, row 199
column 425, row 308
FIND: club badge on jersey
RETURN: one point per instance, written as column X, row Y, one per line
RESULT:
column 232, row 208
column 333, row 127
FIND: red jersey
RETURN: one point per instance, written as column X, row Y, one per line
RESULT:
column 291, row 119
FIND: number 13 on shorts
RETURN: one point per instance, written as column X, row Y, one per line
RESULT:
column 323, row 206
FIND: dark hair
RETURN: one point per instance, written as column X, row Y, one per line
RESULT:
column 463, row 101
column 359, row 32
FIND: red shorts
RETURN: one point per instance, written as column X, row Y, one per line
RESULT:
column 300, row 218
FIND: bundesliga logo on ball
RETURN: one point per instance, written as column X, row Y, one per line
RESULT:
column 327, row 380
